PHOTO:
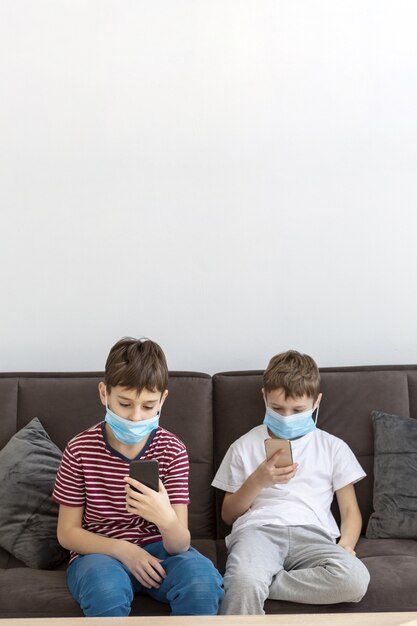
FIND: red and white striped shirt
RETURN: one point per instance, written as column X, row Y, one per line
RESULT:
column 91, row 476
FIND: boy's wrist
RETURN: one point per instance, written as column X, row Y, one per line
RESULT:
column 254, row 483
column 120, row 548
column 168, row 522
column 348, row 543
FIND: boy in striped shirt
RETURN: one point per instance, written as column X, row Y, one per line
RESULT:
column 124, row 541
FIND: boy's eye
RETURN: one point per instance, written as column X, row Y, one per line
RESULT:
column 125, row 406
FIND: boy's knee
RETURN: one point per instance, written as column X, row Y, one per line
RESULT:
column 107, row 598
column 352, row 580
column 197, row 585
column 246, row 584
column 104, row 590
column 245, row 594
column 357, row 584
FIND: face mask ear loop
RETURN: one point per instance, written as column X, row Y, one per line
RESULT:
column 317, row 415
column 160, row 407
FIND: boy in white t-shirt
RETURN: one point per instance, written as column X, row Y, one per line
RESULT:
column 282, row 545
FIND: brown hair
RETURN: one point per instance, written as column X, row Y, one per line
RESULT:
column 136, row 364
column 297, row 374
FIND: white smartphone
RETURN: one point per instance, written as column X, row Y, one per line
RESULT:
column 273, row 445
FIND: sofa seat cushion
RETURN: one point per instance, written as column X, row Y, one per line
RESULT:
column 46, row 593
column 27, row 592
column 386, row 547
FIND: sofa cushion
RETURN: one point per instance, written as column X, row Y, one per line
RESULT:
column 395, row 485
column 28, row 515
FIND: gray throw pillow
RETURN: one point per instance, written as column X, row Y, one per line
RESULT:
column 395, row 477
column 28, row 515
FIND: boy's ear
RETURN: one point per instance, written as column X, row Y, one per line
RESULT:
column 319, row 397
column 102, row 393
column 164, row 395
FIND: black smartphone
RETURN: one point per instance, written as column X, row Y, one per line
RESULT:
column 146, row 472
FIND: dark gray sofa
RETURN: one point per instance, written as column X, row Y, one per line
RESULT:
column 208, row 413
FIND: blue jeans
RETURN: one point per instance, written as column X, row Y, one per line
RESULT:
column 104, row 587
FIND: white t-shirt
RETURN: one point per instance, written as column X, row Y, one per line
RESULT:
column 325, row 464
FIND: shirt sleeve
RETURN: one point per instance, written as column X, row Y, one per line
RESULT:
column 231, row 474
column 69, row 488
column 176, row 478
column 347, row 468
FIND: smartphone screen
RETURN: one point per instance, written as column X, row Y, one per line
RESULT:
column 273, row 445
column 146, row 472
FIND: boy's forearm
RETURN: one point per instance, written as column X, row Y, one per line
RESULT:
column 237, row 503
column 85, row 542
column 350, row 530
column 175, row 537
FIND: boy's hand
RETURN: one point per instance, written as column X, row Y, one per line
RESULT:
column 145, row 567
column 267, row 474
column 154, row 506
column 347, row 548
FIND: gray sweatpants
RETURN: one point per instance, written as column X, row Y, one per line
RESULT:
column 292, row 563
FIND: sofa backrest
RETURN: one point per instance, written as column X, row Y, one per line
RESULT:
column 209, row 413
column 66, row 404
column 349, row 396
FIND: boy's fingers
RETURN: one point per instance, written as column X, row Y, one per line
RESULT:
column 135, row 483
column 284, row 471
column 148, row 580
column 274, row 458
column 158, row 568
column 153, row 573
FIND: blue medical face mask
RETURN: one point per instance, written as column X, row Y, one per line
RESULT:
column 290, row 426
column 129, row 432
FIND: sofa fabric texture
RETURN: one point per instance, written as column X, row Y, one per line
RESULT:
column 208, row 413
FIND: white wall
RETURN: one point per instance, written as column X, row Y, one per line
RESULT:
column 231, row 178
